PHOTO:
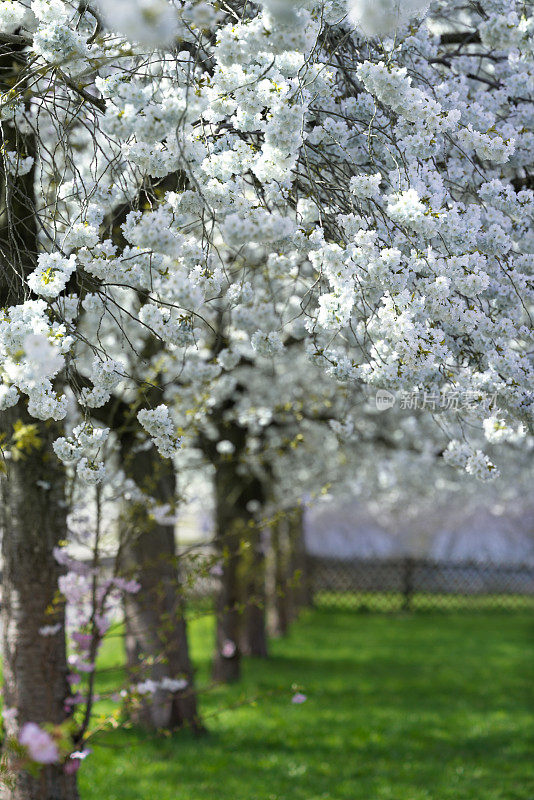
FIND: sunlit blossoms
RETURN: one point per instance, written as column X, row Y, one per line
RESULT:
column 383, row 17
column 160, row 426
column 153, row 23
column 253, row 192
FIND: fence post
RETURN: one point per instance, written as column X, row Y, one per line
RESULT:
column 407, row 584
column 309, row 581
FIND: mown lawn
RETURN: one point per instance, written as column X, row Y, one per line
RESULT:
column 429, row 706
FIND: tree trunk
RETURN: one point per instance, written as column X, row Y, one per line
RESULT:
column 254, row 631
column 278, row 610
column 301, row 596
column 33, row 502
column 235, row 524
column 288, row 584
column 227, row 660
column 35, row 667
column 156, row 630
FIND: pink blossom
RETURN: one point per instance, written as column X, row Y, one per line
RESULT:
column 73, row 587
column 83, row 640
column 299, row 698
column 228, row 650
column 75, row 700
column 41, row 746
column 72, row 766
column 63, row 558
column 131, row 587
column 102, row 623
column 82, row 666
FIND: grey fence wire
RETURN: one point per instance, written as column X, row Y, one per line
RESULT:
column 411, row 584
column 383, row 585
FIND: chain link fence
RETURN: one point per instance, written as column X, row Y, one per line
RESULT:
column 410, row 584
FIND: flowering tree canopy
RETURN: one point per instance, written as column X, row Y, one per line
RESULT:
column 232, row 180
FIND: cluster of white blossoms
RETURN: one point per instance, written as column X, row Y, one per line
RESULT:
column 12, row 15
column 32, row 353
column 159, row 424
column 383, row 17
column 52, row 273
column 270, row 179
column 496, row 430
column 267, row 344
column 82, row 449
column 487, row 148
column 165, row 684
column 16, row 164
column 153, row 23
column 365, row 186
column 475, row 462
column 105, row 375
column 503, row 30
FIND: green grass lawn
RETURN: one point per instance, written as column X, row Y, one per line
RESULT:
column 399, row 707
column 395, row 601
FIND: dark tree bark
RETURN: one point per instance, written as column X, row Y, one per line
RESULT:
column 298, row 563
column 33, row 508
column 34, row 666
column 231, row 526
column 254, row 630
column 288, row 585
column 156, row 629
column 278, row 608
column 235, row 524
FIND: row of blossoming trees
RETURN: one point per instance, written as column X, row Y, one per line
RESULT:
column 224, row 227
